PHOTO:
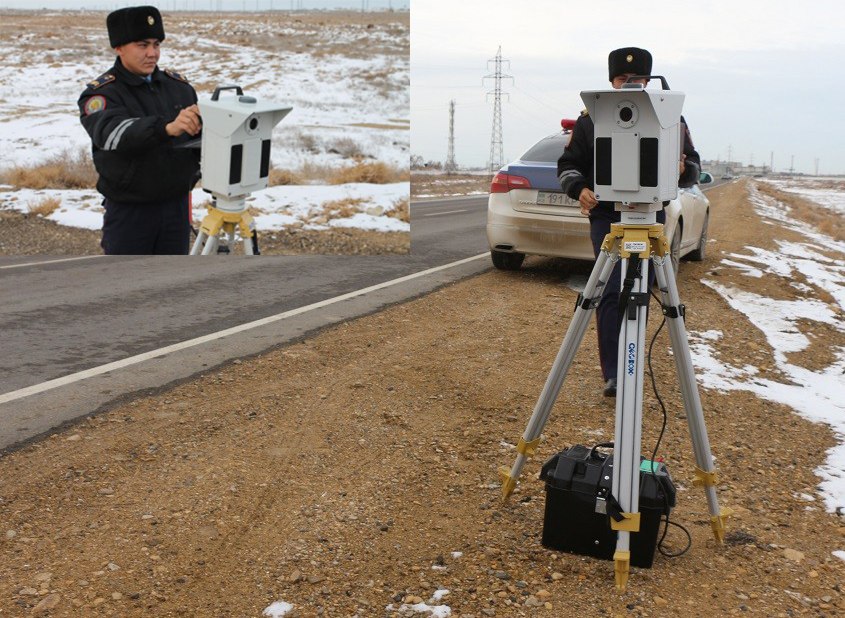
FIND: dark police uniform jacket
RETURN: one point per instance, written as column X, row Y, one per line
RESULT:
column 575, row 166
column 125, row 115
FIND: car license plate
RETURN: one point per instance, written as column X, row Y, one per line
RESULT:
column 553, row 198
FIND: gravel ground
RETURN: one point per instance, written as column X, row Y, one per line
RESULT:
column 355, row 472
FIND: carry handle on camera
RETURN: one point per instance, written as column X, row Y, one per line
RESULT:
column 238, row 90
column 662, row 79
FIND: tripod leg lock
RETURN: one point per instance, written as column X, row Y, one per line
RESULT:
column 587, row 303
column 705, row 479
column 621, row 568
column 673, row 312
column 529, row 449
column 635, row 300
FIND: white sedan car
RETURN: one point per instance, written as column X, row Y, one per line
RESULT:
column 528, row 213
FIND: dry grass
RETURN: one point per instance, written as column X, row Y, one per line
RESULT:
column 45, row 207
column 284, row 177
column 67, row 170
column 402, row 211
column 342, row 209
column 346, row 147
column 374, row 173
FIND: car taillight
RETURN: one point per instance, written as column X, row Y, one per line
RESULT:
column 502, row 183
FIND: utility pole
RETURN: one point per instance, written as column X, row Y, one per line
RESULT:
column 772, row 162
column 450, row 155
column 792, row 164
column 497, row 156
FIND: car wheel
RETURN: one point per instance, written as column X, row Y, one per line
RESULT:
column 675, row 248
column 699, row 253
column 507, row 261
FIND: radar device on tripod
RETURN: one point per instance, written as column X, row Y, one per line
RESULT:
column 637, row 150
column 236, row 143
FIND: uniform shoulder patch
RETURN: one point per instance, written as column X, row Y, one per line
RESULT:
column 94, row 104
column 102, row 80
column 174, row 75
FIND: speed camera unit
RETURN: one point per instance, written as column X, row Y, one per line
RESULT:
column 637, row 143
column 236, row 140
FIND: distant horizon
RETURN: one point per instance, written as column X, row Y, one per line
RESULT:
column 199, row 6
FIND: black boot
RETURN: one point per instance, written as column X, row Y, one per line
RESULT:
column 610, row 388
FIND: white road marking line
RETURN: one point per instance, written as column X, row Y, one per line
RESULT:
column 84, row 257
column 448, row 212
column 133, row 360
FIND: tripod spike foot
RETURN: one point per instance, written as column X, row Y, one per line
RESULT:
column 622, row 566
column 719, row 523
column 508, row 483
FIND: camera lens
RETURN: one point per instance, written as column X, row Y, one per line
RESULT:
column 625, row 114
column 253, row 124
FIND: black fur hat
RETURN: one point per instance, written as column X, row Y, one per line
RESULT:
column 628, row 60
column 134, row 23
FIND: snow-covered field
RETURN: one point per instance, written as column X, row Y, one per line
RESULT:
column 827, row 192
column 815, row 395
column 809, row 268
column 346, row 81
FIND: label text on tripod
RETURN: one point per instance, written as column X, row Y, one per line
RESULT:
column 632, row 358
column 635, row 246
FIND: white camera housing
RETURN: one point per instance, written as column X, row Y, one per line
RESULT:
column 637, row 143
column 236, row 142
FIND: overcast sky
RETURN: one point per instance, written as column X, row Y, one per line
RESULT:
column 760, row 77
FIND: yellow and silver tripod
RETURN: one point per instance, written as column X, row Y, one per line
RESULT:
column 224, row 217
column 644, row 241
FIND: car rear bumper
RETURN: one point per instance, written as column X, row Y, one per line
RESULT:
column 533, row 234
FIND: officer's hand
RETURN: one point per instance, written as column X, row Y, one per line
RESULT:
column 681, row 166
column 188, row 121
column 587, row 199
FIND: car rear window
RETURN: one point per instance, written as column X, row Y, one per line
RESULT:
column 547, row 149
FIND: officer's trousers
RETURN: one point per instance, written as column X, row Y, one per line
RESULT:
column 160, row 228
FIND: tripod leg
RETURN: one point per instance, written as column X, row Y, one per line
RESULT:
column 201, row 237
column 587, row 302
column 210, row 246
column 629, row 401
column 705, row 474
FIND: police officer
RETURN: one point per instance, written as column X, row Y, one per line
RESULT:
column 575, row 172
column 137, row 117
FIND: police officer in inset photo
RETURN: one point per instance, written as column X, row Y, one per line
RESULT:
column 137, row 117
column 575, row 172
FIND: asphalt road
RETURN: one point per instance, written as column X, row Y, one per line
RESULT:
column 81, row 335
